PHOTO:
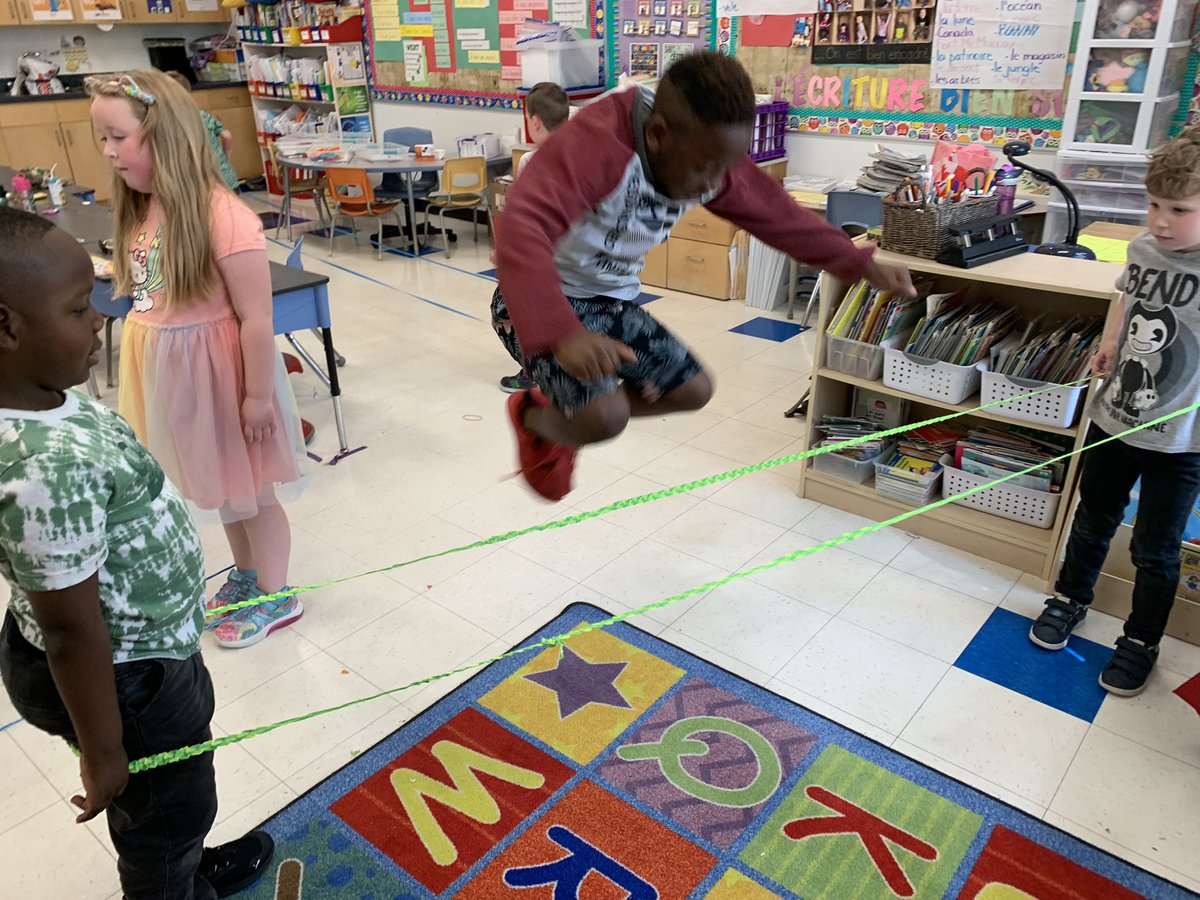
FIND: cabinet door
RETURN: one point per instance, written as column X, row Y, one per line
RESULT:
column 87, row 162
column 8, row 13
column 37, row 145
column 186, row 14
column 247, row 157
column 139, row 11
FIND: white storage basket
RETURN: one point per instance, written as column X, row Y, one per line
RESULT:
column 930, row 377
column 860, row 359
column 1059, row 407
column 1005, row 500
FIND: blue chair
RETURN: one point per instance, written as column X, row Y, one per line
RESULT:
column 394, row 186
column 112, row 308
column 855, row 212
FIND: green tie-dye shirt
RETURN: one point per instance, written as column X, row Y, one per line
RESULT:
column 79, row 494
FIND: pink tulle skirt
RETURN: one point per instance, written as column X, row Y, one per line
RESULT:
column 181, row 391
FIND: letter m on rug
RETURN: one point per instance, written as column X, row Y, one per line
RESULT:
column 440, row 805
column 467, row 795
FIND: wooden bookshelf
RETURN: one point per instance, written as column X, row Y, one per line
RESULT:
column 1030, row 282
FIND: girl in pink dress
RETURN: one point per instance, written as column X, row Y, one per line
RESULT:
column 201, row 381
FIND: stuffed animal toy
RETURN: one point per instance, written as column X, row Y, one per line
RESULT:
column 36, row 77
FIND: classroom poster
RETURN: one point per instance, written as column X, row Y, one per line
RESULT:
column 109, row 11
column 776, row 31
column 476, row 35
column 50, row 10
column 1001, row 44
column 643, row 60
column 672, row 52
column 415, row 72
column 348, row 64
column 874, row 32
column 571, row 13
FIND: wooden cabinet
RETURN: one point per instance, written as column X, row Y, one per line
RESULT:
column 232, row 106
column 32, row 138
column 1034, row 285
column 698, row 252
column 8, row 13
column 88, row 165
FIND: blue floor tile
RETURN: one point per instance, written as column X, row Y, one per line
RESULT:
column 643, row 298
column 1066, row 680
column 488, row 273
column 771, row 329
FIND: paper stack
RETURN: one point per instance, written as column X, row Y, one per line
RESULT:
column 890, row 170
column 766, row 276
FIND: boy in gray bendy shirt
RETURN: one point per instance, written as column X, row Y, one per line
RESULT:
column 1151, row 355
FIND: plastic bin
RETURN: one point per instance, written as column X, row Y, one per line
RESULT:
column 930, row 377
column 1056, row 219
column 770, row 125
column 847, row 469
column 1103, row 195
column 1076, row 166
column 569, row 64
column 1059, row 408
column 1005, row 500
column 859, row 359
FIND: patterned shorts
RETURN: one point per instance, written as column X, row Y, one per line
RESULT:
column 663, row 362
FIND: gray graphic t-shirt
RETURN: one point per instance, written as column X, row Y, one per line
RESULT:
column 79, row 494
column 1157, row 368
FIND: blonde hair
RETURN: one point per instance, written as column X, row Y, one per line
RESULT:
column 1174, row 171
column 185, row 176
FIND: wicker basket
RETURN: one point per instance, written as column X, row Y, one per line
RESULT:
column 918, row 229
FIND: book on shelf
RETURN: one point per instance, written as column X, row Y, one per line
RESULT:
column 881, row 409
column 995, row 452
column 872, row 316
column 1058, row 354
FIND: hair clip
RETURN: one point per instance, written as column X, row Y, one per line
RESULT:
column 125, row 84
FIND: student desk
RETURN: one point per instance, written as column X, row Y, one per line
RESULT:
column 300, row 299
column 407, row 166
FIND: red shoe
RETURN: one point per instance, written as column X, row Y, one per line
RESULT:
column 547, row 466
column 292, row 365
column 308, row 430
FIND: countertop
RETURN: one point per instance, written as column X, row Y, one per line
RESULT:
column 75, row 91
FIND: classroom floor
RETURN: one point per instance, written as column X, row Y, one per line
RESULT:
column 899, row 638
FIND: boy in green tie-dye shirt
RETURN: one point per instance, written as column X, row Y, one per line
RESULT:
column 101, row 641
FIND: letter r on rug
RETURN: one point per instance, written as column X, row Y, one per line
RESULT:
column 567, row 874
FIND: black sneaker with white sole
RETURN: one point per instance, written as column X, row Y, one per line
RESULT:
column 235, row 866
column 1130, row 667
column 1054, row 626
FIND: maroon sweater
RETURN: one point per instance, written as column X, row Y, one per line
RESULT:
column 585, row 211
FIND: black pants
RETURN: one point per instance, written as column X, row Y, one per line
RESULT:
column 159, row 823
column 1170, row 483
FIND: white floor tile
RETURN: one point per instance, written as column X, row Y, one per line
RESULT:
column 767, row 496
column 649, row 572
column 753, row 624
column 717, row 534
column 913, row 612
column 576, row 551
column 827, row 579
column 685, row 464
column 24, row 791
column 1156, row 718
column 236, row 672
column 50, row 856
column 870, row 677
column 499, row 592
column 968, row 574
column 320, row 682
column 1142, row 799
column 711, row 655
column 829, row 711
column 966, row 776
column 644, row 519
column 1028, row 598
column 742, row 441
column 825, row 523
column 1020, row 744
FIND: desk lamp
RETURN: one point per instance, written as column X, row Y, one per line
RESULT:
column 1068, row 248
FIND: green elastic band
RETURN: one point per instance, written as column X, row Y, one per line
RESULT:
column 558, row 641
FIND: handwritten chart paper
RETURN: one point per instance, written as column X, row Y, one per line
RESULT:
column 1002, row 44
column 764, row 7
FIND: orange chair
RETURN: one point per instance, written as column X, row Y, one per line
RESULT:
column 298, row 185
column 464, row 185
column 351, row 195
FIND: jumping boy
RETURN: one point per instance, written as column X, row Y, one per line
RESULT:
column 603, row 191
column 1151, row 355
column 101, row 641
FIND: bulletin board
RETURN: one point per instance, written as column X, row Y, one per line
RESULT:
column 461, row 52
column 652, row 34
column 844, row 72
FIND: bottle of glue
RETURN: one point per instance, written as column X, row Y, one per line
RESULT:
column 55, row 186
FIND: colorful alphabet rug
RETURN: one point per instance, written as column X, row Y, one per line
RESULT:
column 619, row 766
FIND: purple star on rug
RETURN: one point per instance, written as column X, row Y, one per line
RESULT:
column 578, row 682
